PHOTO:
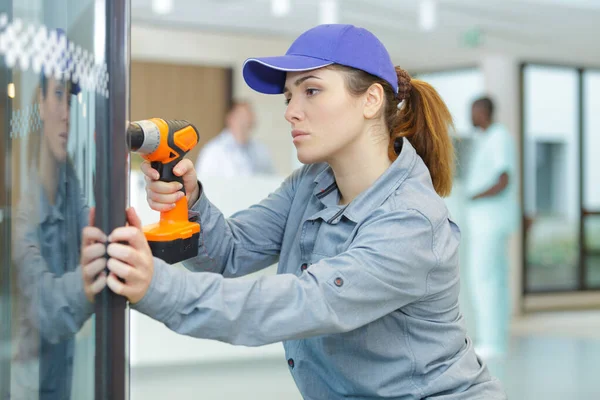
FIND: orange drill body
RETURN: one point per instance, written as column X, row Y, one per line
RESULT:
column 164, row 143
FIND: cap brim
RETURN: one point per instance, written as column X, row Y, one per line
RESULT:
column 75, row 88
column 267, row 75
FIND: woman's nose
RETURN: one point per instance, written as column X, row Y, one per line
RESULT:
column 293, row 112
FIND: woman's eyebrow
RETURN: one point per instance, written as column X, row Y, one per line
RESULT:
column 299, row 81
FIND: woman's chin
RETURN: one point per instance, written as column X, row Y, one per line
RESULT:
column 305, row 158
column 61, row 156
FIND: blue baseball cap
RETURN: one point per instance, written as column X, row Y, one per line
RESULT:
column 62, row 63
column 319, row 47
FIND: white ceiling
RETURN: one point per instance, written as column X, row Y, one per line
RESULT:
column 553, row 30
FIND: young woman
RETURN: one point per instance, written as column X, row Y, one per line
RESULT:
column 366, row 298
column 52, row 299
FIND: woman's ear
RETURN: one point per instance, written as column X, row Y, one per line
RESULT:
column 374, row 101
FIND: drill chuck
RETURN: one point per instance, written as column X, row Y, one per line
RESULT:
column 143, row 136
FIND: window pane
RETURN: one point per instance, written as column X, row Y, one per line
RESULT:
column 591, row 137
column 47, row 59
column 592, row 245
column 551, row 177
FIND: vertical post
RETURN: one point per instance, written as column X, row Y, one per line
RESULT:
column 111, row 189
column 501, row 74
column 581, row 265
column 5, row 220
column 523, row 143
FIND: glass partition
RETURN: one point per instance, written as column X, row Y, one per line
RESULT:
column 54, row 88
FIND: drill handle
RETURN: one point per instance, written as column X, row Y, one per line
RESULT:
column 166, row 172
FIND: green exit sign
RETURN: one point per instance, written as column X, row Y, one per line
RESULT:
column 472, row 38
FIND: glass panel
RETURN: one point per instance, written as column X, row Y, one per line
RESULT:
column 591, row 140
column 591, row 174
column 46, row 50
column 592, row 245
column 551, row 177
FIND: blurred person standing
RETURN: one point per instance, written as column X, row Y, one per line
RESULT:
column 491, row 216
column 234, row 152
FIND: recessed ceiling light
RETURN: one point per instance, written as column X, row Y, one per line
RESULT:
column 280, row 8
column 427, row 14
column 162, row 7
column 328, row 12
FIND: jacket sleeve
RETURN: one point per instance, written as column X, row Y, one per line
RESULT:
column 56, row 305
column 384, row 269
column 249, row 240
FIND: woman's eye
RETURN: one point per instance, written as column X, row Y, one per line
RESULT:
column 287, row 101
column 311, row 92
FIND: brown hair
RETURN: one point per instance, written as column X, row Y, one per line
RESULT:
column 424, row 120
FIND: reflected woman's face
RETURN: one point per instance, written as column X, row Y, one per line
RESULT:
column 54, row 112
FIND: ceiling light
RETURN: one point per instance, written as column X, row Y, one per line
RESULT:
column 280, row 8
column 162, row 7
column 328, row 12
column 427, row 14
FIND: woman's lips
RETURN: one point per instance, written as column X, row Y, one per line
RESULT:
column 296, row 133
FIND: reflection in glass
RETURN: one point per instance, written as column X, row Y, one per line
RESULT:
column 49, row 218
column 51, row 169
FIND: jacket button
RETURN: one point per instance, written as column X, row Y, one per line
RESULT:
column 338, row 282
column 303, row 267
column 291, row 362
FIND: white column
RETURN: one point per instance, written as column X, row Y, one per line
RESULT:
column 501, row 77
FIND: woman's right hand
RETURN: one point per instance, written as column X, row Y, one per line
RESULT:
column 163, row 195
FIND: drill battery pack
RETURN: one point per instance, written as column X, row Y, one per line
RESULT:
column 174, row 238
column 176, row 250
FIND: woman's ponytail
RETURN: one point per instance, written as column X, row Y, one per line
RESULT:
column 422, row 117
column 416, row 112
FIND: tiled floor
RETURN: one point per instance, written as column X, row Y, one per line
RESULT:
column 552, row 357
column 551, row 368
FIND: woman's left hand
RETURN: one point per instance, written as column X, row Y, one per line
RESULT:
column 132, row 262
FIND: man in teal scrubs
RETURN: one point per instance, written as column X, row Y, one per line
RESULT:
column 492, row 216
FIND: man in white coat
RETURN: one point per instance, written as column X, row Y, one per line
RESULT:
column 234, row 152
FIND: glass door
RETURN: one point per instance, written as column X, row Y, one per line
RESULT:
column 63, row 112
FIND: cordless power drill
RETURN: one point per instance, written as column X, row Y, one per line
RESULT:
column 164, row 143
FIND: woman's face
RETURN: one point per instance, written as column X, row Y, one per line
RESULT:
column 326, row 119
column 54, row 112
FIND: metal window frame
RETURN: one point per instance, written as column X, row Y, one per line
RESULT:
column 582, row 282
column 111, row 194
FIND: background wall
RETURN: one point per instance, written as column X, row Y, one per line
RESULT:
column 196, row 93
column 495, row 73
column 229, row 51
